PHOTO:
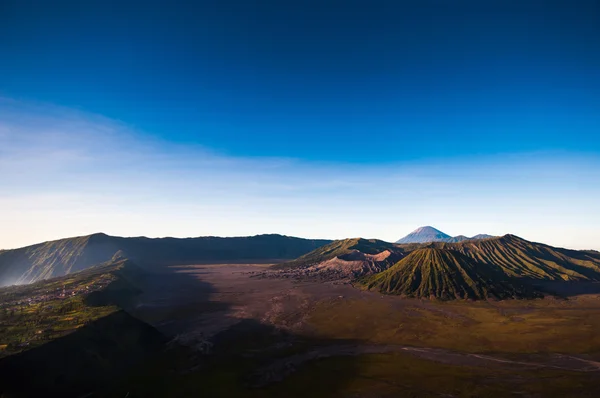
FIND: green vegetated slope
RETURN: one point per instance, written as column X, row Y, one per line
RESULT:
column 517, row 257
column 65, row 256
column 70, row 334
column 444, row 274
column 32, row 315
column 339, row 248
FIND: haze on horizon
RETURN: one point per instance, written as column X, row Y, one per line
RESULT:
column 328, row 120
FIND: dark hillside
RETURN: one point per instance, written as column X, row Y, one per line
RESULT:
column 81, row 362
column 69, row 335
column 65, row 256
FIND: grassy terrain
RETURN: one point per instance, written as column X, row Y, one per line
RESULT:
column 229, row 371
column 378, row 375
column 35, row 314
column 511, row 326
column 403, row 375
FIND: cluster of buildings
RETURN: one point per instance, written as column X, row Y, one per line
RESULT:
column 60, row 293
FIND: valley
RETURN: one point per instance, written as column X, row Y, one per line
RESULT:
column 299, row 199
column 352, row 318
column 284, row 332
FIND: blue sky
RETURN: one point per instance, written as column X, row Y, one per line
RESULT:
column 317, row 119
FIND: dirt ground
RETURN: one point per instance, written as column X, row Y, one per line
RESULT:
column 196, row 303
column 208, row 299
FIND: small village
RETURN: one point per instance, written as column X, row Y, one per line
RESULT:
column 58, row 293
column 28, row 317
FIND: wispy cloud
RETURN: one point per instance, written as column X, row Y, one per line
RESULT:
column 64, row 172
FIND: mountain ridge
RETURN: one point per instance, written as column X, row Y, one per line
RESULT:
column 64, row 256
column 524, row 259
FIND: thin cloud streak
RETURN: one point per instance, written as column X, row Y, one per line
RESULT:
column 65, row 173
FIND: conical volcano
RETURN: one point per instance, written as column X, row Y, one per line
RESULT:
column 424, row 235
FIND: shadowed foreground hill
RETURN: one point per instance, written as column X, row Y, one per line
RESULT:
column 348, row 258
column 443, row 274
column 70, row 335
column 65, row 256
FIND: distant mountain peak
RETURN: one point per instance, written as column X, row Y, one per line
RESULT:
column 428, row 234
column 482, row 236
column 459, row 238
column 425, row 234
column 427, row 229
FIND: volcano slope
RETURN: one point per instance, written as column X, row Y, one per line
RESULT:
column 446, row 275
column 519, row 258
column 503, row 267
column 343, row 259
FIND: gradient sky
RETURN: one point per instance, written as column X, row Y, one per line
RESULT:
column 326, row 119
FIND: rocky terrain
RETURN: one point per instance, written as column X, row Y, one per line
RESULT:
column 341, row 260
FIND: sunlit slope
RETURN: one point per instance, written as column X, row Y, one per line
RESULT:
column 55, row 258
column 517, row 257
column 443, row 274
column 59, row 306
